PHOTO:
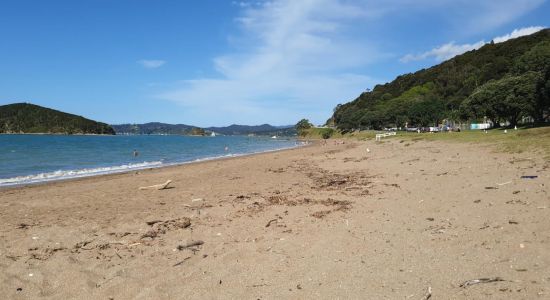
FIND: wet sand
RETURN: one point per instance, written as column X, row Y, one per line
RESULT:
column 327, row 222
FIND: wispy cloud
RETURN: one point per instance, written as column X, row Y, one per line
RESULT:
column 298, row 59
column 450, row 50
column 301, row 62
column 245, row 4
column 151, row 63
column 518, row 33
column 443, row 52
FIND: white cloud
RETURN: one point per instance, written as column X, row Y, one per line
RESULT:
column 299, row 66
column 443, row 52
column 151, row 64
column 451, row 49
column 518, row 33
column 241, row 3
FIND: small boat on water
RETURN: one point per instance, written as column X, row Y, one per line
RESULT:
column 213, row 133
column 274, row 137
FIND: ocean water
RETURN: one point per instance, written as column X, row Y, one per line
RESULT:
column 36, row 158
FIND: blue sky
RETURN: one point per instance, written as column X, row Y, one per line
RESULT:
column 216, row 62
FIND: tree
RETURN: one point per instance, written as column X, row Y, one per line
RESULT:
column 536, row 59
column 326, row 133
column 372, row 119
column 480, row 103
column 302, row 126
column 518, row 96
column 508, row 98
column 426, row 113
column 542, row 108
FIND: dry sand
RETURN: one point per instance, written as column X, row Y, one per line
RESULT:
column 321, row 222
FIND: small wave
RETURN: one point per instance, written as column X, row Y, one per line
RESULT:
column 239, row 154
column 67, row 174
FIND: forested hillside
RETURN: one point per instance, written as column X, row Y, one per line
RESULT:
column 503, row 82
column 182, row 129
column 158, row 128
column 264, row 129
column 30, row 118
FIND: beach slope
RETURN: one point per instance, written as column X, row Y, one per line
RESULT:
column 406, row 220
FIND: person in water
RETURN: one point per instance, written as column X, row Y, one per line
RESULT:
column 135, row 153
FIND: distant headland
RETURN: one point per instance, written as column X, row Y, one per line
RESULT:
column 26, row 118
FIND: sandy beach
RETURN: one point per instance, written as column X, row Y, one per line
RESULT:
column 405, row 220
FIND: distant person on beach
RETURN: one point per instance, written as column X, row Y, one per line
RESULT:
column 135, row 153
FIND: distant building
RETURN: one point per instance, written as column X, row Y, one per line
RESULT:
column 480, row 126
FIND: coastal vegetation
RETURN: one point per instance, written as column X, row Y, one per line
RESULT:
column 302, row 127
column 30, row 118
column 264, row 129
column 501, row 82
column 158, row 128
column 183, row 129
column 318, row 133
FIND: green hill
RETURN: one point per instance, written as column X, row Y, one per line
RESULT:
column 264, row 129
column 30, row 118
column 503, row 82
column 158, row 128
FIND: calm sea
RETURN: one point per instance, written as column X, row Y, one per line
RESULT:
column 37, row 158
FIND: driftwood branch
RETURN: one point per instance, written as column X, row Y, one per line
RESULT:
column 190, row 244
column 270, row 221
column 161, row 186
column 181, row 262
column 428, row 294
column 480, row 280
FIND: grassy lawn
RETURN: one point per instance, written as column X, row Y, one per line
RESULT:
column 317, row 133
column 515, row 141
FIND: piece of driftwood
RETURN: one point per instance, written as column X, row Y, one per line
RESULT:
column 428, row 294
column 468, row 283
column 270, row 221
column 190, row 244
column 504, row 183
column 181, row 262
column 161, row 186
column 151, row 223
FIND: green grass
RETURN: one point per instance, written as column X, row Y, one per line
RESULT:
column 515, row 141
column 316, row 133
column 362, row 135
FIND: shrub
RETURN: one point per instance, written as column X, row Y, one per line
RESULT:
column 326, row 133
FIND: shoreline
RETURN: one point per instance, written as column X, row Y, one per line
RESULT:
column 138, row 169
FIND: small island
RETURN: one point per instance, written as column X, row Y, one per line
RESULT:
column 25, row 118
